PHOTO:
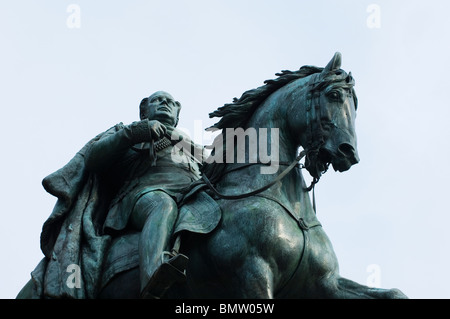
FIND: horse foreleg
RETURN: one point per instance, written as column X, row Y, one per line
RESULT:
column 343, row 288
column 254, row 279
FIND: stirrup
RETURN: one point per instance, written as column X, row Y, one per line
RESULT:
column 170, row 272
column 174, row 258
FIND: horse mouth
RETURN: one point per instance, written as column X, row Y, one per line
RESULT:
column 346, row 156
column 341, row 164
column 342, row 159
column 324, row 159
column 317, row 162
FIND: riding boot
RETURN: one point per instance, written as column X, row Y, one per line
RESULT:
column 168, row 273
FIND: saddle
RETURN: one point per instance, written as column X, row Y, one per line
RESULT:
column 198, row 212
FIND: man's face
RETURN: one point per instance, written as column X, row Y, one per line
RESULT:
column 161, row 106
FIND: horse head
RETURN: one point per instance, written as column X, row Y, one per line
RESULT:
column 322, row 114
column 314, row 108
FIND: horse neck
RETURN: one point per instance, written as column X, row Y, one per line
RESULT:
column 271, row 115
column 269, row 121
column 274, row 113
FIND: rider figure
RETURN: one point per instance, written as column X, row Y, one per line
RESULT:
column 149, row 178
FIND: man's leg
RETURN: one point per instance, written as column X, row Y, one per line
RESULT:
column 155, row 213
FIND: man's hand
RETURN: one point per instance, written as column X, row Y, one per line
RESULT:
column 145, row 131
column 157, row 129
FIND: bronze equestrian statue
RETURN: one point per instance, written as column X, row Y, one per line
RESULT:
column 246, row 232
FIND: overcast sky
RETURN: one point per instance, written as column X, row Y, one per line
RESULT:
column 71, row 69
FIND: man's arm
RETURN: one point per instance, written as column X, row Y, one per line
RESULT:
column 109, row 148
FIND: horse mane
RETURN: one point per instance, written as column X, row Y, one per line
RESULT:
column 237, row 113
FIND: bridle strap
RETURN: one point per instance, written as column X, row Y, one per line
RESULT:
column 227, row 171
column 259, row 190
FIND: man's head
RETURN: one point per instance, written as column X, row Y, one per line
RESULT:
column 160, row 106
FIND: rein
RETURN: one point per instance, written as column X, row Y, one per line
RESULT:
column 259, row 190
column 265, row 187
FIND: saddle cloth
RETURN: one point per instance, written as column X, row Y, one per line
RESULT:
column 198, row 213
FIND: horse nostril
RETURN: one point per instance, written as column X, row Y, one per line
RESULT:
column 347, row 150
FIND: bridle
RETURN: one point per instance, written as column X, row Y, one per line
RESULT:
column 259, row 190
column 315, row 132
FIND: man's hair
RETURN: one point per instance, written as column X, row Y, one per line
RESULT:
column 143, row 103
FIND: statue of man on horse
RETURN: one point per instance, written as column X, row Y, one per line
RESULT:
column 125, row 201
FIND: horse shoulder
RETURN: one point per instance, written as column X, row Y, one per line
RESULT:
column 261, row 229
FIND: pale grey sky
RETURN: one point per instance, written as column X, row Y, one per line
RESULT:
column 60, row 86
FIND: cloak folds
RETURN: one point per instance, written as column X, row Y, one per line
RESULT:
column 72, row 240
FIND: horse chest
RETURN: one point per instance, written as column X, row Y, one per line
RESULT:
column 318, row 263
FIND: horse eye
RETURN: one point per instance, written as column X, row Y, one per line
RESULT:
column 335, row 95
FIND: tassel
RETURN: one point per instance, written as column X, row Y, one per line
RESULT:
column 152, row 152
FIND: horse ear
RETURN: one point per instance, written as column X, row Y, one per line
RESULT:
column 349, row 78
column 334, row 64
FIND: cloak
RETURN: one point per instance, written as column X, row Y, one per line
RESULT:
column 72, row 240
